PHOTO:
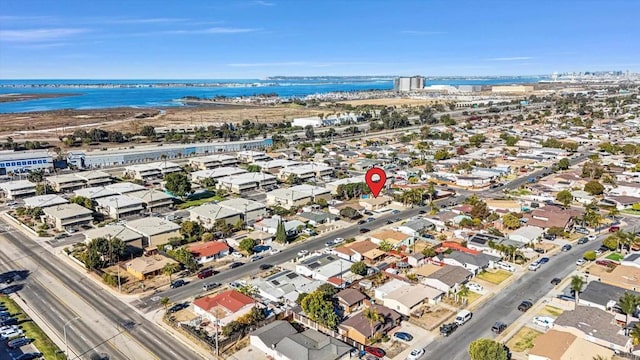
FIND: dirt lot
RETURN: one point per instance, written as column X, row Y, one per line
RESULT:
column 431, row 318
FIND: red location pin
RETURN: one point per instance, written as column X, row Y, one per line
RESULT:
column 375, row 178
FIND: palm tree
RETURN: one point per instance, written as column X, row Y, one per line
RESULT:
column 373, row 316
column 165, row 302
column 170, row 269
column 628, row 304
column 576, row 285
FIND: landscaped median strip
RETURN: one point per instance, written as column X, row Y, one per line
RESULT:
column 31, row 330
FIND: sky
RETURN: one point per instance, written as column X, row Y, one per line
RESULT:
column 249, row 39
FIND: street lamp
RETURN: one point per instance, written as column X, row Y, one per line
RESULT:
column 64, row 330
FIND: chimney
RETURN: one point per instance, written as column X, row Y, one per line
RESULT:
column 273, row 346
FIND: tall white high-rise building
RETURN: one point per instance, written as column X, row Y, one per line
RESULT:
column 405, row 84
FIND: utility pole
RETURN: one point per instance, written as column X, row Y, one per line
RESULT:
column 64, row 330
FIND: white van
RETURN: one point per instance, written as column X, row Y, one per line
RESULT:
column 463, row 316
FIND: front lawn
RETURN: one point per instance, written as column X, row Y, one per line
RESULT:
column 32, row 330
column 495, row 277
column 550, row 311
column 523, row 339
column 195, row 202
column 472, row 296
column 615, row 257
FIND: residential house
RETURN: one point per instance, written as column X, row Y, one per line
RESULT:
column 212, row 161
column 119, row 206
column 250, row 156
column 151, row 171
column 43, row 201
column 474, row 262
column 448, row 278
column 145, row 267
column 246, row 182
column 627, row 277
column 395, row 238
column 209, row 251
column 274, row 166
column 407, row 298
column 298, row 195
column 128, row 236
column 350, row 300
column 316, row 218
column 355, row 251
column 270, row 226
column 620, row 202
column 527, row 234
column 325, row 267
column 154, row 230
column 358, row 328
column 250, row 211
column 632, row 260
column 208, row 214
column 223, row 307
column 594, row 325
column 416, row 227
column 18, row 189
column 482, row 242
column 284, row 286
column 65, row 182
column 65, row 216
column 551, row 216
column 306, row 172
column 375, row 203
column 94, row 192
column 560, row 345
column 216, row 173
column 124, row 187
column 504, row 205
column 279, row 340
column 94, row 178
column 602, row 296
column 153, row 200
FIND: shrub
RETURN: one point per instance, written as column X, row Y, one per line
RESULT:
column 589, row 255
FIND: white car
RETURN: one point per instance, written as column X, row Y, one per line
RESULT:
column 274, row 251
column 505, row 266
column 338, row 240
column 475, row 287
column 534, row 266
column 303, row 252
column 580, row 262
column 544, row 321
column 591, row 237
column 9, row 328
column 415, row 354
column 236, row 254
column 11, row 333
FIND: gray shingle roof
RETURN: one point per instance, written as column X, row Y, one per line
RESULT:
column 600, row 293
column 312, row 345
column 451, row 275
column 481, row 260
column 274, row 332
column 594, row 322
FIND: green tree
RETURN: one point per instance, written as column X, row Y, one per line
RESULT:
column 576, row 285
column 148, row 131
column 207, row 236
column 281, row 233
column 593, row 187
column 169, row 269
column 385, row 246
column 309, row 133
column 510, row 221
column 110, row 279
column 42, row 189
column 247, row 244
column 190, row 229
column 373, row 316
column 91, row 258
column 442, row 154
column 178, row 184
column 487, row 349
column 35, row 176
column 359, row 268
column 635, row 334
column 165, row 301
column 320, row 308
column 254, row 168
column 589, row 255
column 628, row 304
column 564, row 197
column 349, row 213
column 564, row 164
column 117, row 249
column 611, row 242
column 477, row 140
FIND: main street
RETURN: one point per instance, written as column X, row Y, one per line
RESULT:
column 156, row 341
column 533, row 286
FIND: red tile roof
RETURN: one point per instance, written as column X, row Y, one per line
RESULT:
column 231, row 300
column 455, row 246
column 208, row 249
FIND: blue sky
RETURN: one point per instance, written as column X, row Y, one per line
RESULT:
column 197, row 39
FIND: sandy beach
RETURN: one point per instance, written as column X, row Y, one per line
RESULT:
column 25, row 97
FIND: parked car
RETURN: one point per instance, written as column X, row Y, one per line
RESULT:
column 463, row 316
column 236, row 264
column 11, row 333
column 364, row 230
column 178, row 283
column 256, row 258
column 328, row 244
column 375, row 351
column 9, row 321
column 475, row 287
column 261, row 248
column 360, row 222
column 237, row 254
column 591, row 237
column 539, row 250
column 205, row 273
column 580, row 262
column 448, row 329
column 505, row 266
column 534, row 266
column 19, row 342
column 543, row 260
column 303, row 252
column 177, row 307
column 404, row 336
column 415, row 354
column 614, row 228
column 498, row 327
column 30, row 356
column 583, row 240
column 370, row 219
column 556, row 281
column 265, row 266
column 607, row 263
column 544, row 321
column 525, row 305
column 209, row 286
column 389, row 222
column 581, row 230
column 274, row 251
column 338, row 240
column 395, row 212
column 549, row 236
column 566, row 247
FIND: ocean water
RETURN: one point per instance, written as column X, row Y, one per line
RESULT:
column 144, row 95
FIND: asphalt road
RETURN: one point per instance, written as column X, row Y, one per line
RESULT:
column 55, row 313
column 195, row 287
column 154, row 339
column 533, row 286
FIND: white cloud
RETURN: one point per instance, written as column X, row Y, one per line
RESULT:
column 264, row 3
column 514, row 58
column 38, row 35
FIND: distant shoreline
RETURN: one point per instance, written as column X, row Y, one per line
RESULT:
column 26, row 97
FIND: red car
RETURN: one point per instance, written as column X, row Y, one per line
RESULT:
column 375, row 351
column 614, row 229
column 607, row 263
